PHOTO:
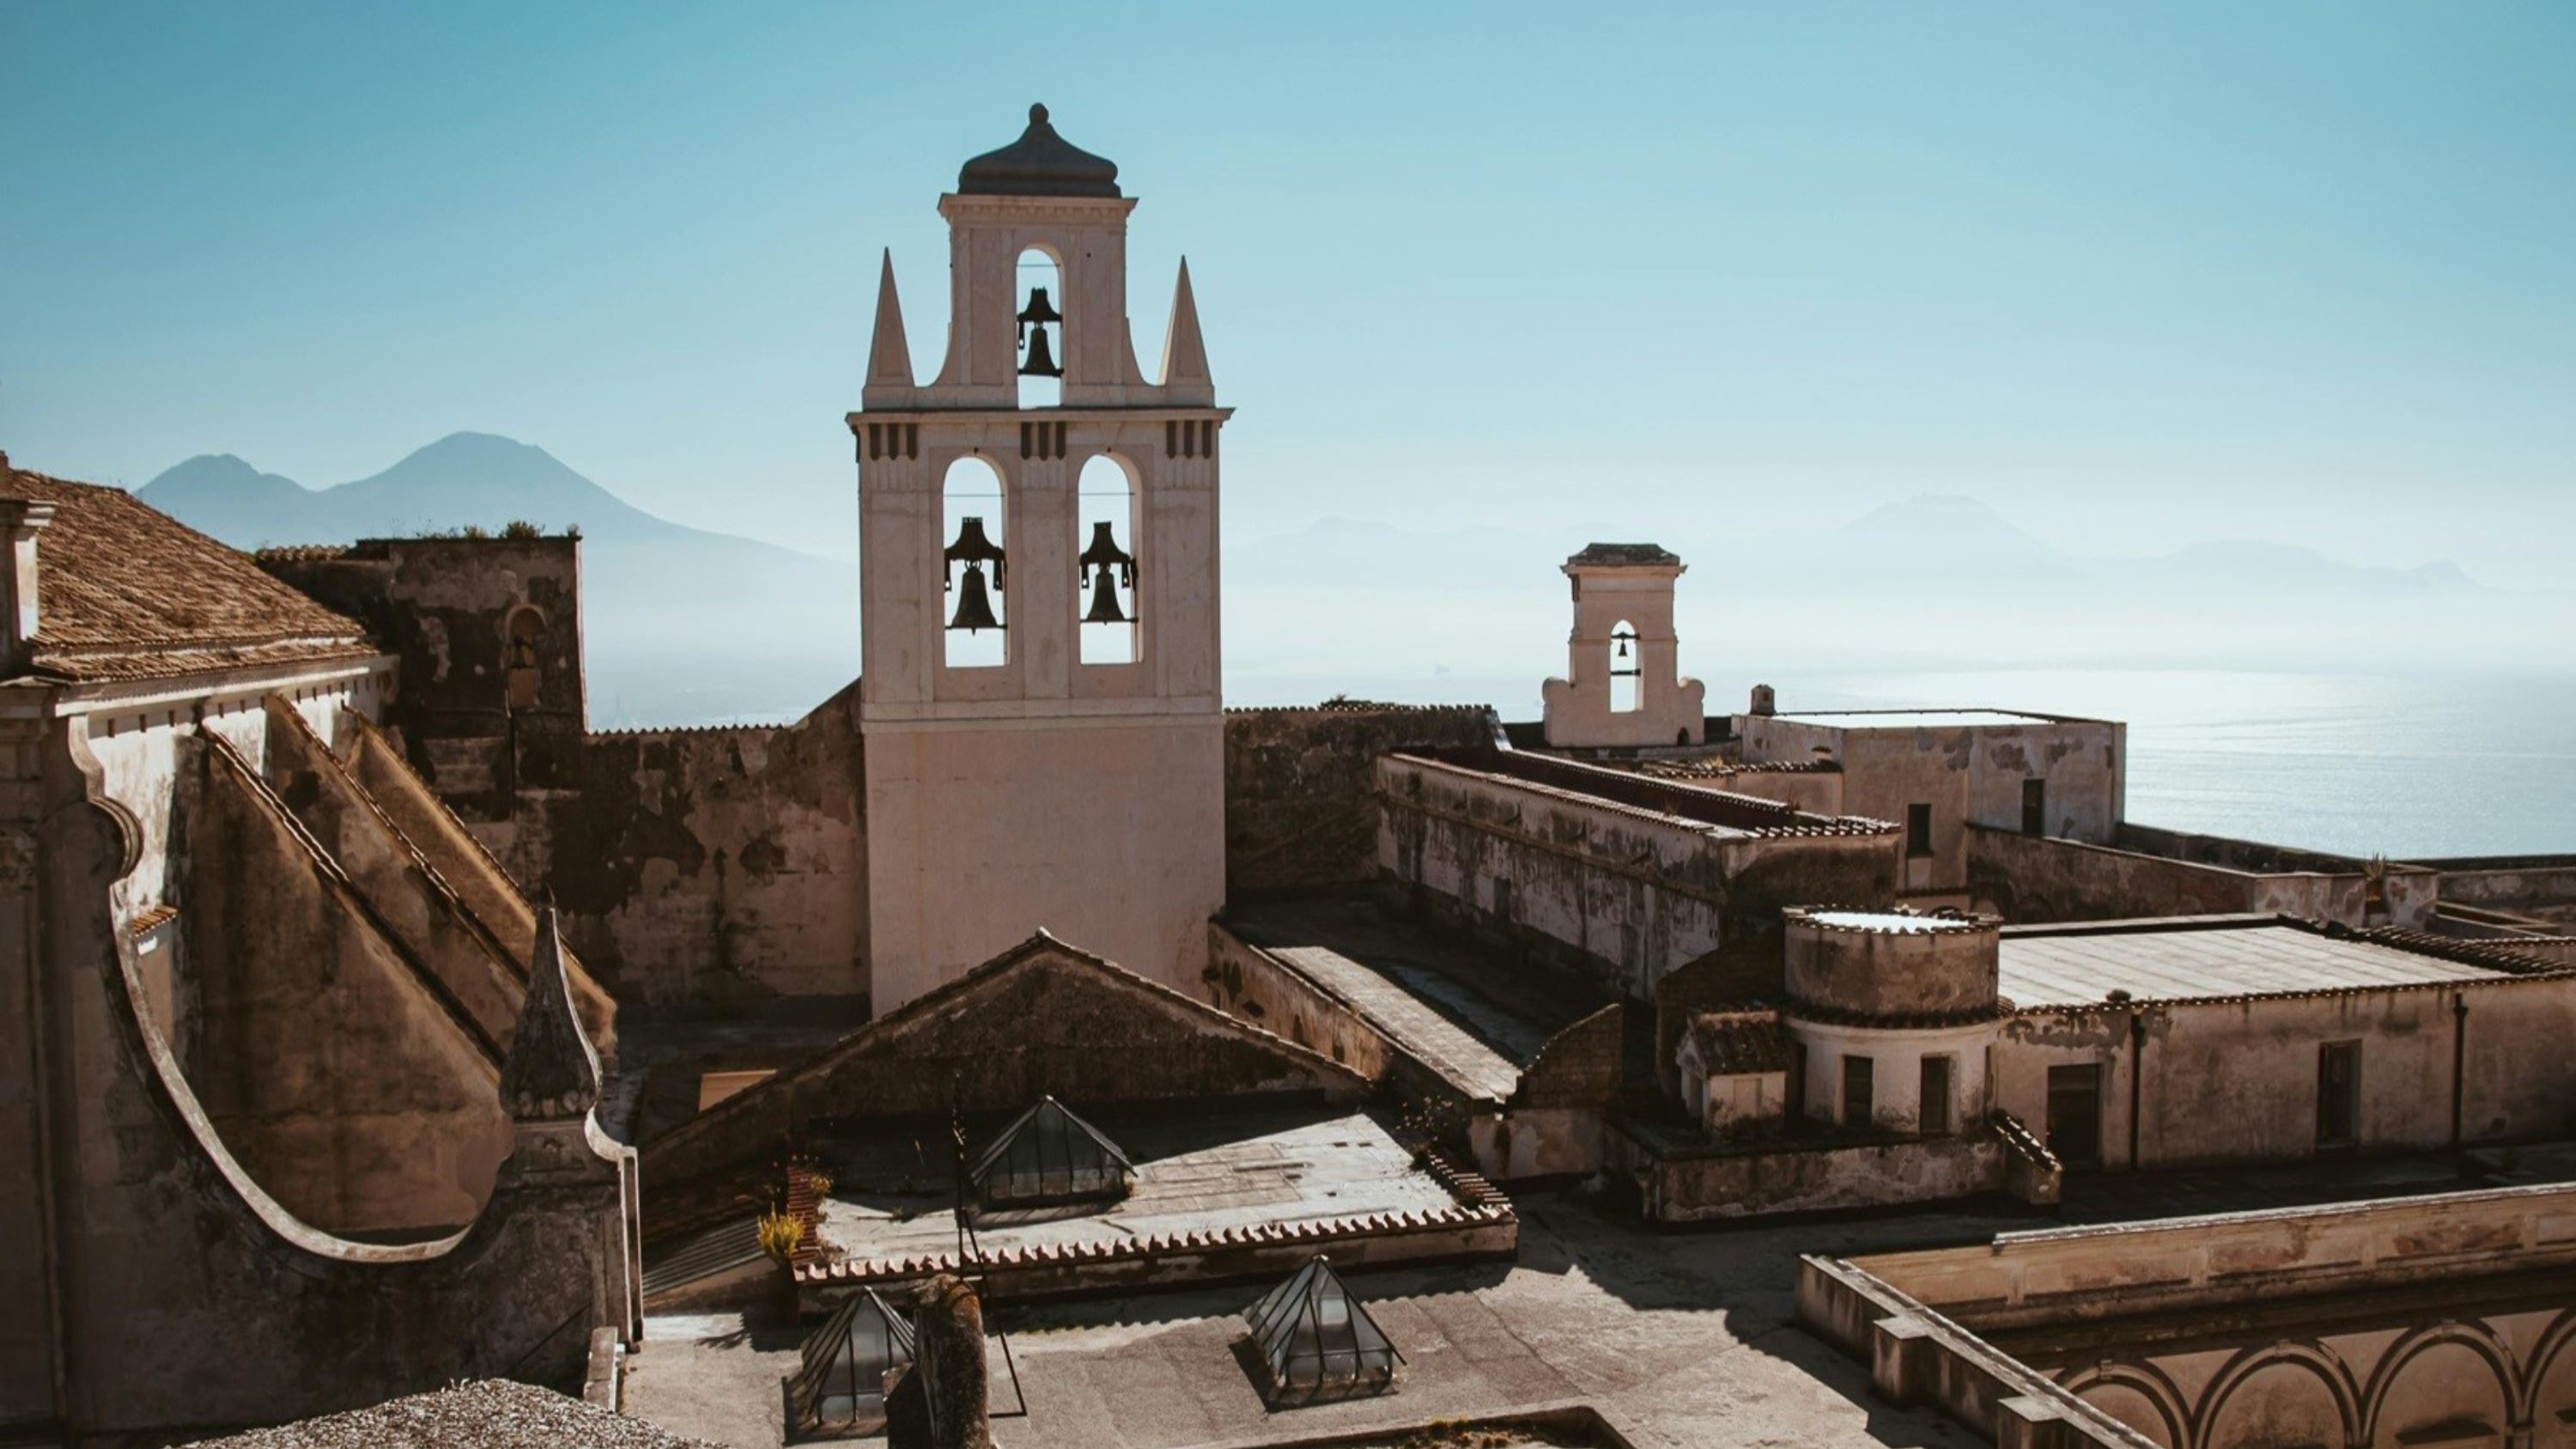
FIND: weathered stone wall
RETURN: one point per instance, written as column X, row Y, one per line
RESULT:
column 173, row 1296
column 1943, row 968
column 1247, row 982
column 1301, row 789
column 2032, row 881
column 1613, row 890
column 708, row 865
column 2540, row 886
column 488, row 632
column 342, row 1072
column 1733, row 1180
column 2236, row 1081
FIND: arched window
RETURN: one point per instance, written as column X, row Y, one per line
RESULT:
column 974, row 566
column 522, row 647
column 1041, row 327
column 1624, row 669
column 1105, row 542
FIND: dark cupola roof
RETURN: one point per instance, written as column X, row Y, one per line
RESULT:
column 1040, row 163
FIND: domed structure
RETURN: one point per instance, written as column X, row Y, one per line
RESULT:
column 1040, row 163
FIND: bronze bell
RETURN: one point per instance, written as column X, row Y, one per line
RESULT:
column 974, row 606
column 1039, row 311
column 1098, row 557
column 1104, row 602
column 1041, row 359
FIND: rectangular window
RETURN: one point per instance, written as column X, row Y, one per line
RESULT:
column 1918, row 830
column 1503, row 897
column 1933, row 1115
column 1858, row 1108
column 2339, row 1094
column 2034, row 807
column 2075, row 1114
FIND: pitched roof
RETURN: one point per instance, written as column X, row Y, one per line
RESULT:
column 1737, row 1042
column 1624, row 555
column 127, row 592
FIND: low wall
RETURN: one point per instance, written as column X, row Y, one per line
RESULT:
column 2079, row 1274
column 1245, row 981
column 2036, row 879
column 1690, row 1184
column 2542, row 887
column 1916, row 1356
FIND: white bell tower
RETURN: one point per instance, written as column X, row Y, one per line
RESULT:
column 1623, row 686
column 1039, row 706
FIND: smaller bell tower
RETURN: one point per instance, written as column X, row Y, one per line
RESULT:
column 1623, row 686
column 1039, row 694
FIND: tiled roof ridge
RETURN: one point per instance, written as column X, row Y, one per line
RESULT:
column 1822, row 826
column 1903, row 1020
column 1359, row 706
column 2306, row 993
column 1476, row 1203
column 2495, row 954
column 638, row 731
column 1574, row 797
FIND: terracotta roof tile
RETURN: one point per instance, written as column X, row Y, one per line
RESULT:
column 1736, row 1042
column 128, row 592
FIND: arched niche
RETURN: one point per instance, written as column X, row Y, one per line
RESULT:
column 2291, row 1396
column 2449, row 1384
column 1627, row 669
column 1039, row 286
column 974, row 517
column 1105, row 585
column 523, row 640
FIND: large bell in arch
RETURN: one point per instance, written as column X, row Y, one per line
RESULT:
column 1041, row 360
column 974, row 550
column 974, row 605
column 1097, row 559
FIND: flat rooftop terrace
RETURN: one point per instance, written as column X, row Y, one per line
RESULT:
column 1471, row 1014
column 2078, row 965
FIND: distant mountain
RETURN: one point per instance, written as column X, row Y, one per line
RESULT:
column 683, row 625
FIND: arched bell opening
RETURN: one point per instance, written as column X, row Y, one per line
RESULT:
column 523, row 643
column 1105, row 576
column 974, row 567
column 1040, row 287
column 1625, row 669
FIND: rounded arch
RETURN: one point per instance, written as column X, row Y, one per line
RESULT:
column 1108, row 548
column 2147, row 1382
column 2323, row 1363
column 2477, row 1338
column 1037, row 267
column 523, row 635
column 1627, row 669
column 2547, row 1352
column 974, row 566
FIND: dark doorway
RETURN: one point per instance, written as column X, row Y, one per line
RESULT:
column 1932, row 1117
column 2339, row 1094
column 2075, row 1114
column 2034, row 807
column 1918, row 831
column 1859, row 1091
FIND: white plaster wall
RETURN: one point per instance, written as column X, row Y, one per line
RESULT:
column 1670, row 709
column 1109, row 835
column 1896, row 1071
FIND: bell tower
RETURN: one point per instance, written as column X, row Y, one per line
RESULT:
column 1042, row 729
column 1623, row 686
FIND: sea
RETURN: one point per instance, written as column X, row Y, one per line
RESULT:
column 2409, row 764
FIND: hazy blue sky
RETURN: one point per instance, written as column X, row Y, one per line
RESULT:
column 2137, row 276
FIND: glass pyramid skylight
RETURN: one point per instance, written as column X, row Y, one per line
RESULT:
column 1048, row 1155
column 1315, row 1340
column 850, row 1362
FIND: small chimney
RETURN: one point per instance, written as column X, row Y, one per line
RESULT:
column 1764, row 702
column 21, row 519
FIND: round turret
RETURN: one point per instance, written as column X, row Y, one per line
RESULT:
column 1890, row 965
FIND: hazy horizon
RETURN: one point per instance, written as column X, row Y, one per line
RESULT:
column 2302, row 273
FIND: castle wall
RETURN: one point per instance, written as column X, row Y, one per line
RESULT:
column 2032, row 880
